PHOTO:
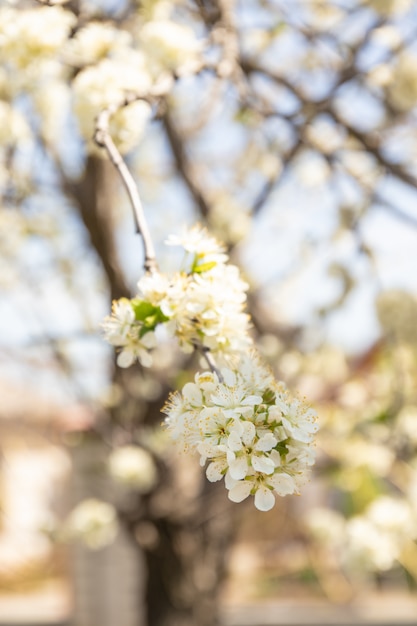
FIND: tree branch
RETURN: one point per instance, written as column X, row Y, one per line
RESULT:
column 103, row 139
column 183, row 165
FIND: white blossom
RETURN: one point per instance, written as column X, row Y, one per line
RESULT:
column 201, row 245
column 122, row 330
column 402, row 90
column 237, row 425
column 202, row 307
column 92, row 521
column 134, row 467
column 95, row 42
column 52, row 103
column 29, row 36
column 13, row 126
column 168, row 46
column 108, row 83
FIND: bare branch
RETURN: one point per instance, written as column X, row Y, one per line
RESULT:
column 372, row 146
column 103, row 139
column 212, row 363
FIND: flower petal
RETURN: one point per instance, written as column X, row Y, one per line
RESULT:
column 238, row 468
column 264, row 499
column 214, row 471
column 263, row 464
column 234, row 441
column 240, row 492
column 229, row 377
column 266, row 442
column 145, row 358
column 125, row 358
column 192, row 394
column 251, row 400
column 249, row 432
column 283, row 484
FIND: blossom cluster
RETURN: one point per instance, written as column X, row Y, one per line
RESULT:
column 372, row 541
column 248, row 428
column 104, row 63
column 202, row 306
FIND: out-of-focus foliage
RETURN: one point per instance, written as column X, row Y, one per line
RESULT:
column 289, row 128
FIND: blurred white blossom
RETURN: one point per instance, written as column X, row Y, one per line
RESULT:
column 93, row 522
column 33, row 34
column 169, row 46
column 108, row 83
column 134, row 467
column 94, row 42
column 402, row 90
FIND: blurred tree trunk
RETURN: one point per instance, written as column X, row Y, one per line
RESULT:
column 186, row 566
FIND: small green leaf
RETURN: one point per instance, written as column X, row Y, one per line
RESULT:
column 142, row 309
column 282, row 447
column 268, row 396
column 204, row 267
column 148, row 314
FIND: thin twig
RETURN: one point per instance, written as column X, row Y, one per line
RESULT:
column 103, row 139
column 212, row 363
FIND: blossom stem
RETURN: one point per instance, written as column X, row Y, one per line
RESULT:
column 212, row 363
column 103, row 139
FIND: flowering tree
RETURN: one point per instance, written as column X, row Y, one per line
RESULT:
column 223, row 113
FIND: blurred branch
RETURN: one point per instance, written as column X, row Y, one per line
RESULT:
column 372, row 146
column 185, row 168
column 93, row 195
column 272, row 183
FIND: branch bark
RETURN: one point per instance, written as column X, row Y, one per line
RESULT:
column 183, row 164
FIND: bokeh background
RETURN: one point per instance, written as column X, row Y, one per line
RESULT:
column 290, row 130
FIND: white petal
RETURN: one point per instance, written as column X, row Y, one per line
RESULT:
column 263, row 464
column 206, row 449
column 214, row 471
column 282, row 406
column 266, row 442
column 209, row 412
column 264, row 499
column 125, row 358
column 171, row 326
column 240, row 491
column 275, row 457
column 249, row 432
column 252, row 400
column 149, row 340
column 238, row 468
column 246, row 411
column 283, row 484
column 145, row 358
column 192, row 394
column 229, row 482
column 274, row 413
column 229, row 377
column 234, row 442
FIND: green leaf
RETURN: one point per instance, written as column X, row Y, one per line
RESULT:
column 282, row 447
column 268, row 396
column 204, row 267
column 148, row 314
column 142, row 309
